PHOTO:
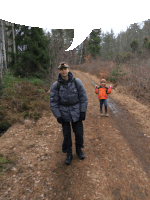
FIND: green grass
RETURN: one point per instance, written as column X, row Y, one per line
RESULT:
column 21, row 98
column 36, row 81
column 47, row 98
column 4, row 162
column 9, row 80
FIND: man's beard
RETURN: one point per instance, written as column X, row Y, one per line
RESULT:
column 65, row 77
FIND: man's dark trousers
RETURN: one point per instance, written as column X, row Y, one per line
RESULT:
column 78, row 130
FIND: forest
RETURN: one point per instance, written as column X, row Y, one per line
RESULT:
column 116, row 147
column 31, row 54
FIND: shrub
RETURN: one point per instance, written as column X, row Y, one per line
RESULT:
column 114, row 72
column 36, row 81
column 112, row 79
column 145, row 41
column 118, row 58
column 21, row 99
column 124, row 73
column 148, row 44
column 125, row 57
column 25, row 114
column 41, row 90
column 4, row 126
column 25, row 106
column 35, row 115
column 134, row 44
column 32, row 115
column 140, row 52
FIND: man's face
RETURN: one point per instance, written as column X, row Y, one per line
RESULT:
column 64, row 72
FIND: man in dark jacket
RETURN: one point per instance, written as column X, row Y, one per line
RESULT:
column 68, row 102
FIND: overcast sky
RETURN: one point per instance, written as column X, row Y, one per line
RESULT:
column 116, row 30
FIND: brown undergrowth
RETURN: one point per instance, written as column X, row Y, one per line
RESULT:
column 131, row 77
column 22, row 100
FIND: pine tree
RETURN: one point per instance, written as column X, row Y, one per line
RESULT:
column 146, row 28
column 94, row 43
column 134, row 44
column 108, row 44
column 32, row 57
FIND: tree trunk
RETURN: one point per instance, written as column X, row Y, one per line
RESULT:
column 9, row 43
column 1, row 50
column 3, row 42
column 86, row 46
column 1, row 58
column 81, row 46
column 14, row 45
column 73, row 56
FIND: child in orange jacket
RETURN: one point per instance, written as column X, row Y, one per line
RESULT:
column 103, row 92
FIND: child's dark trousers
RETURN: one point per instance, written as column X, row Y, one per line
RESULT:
column 103, row 101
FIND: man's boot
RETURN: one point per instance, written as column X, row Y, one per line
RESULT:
column 101, row 113
column 106, row 114
column 80, row 153
column 69, row 158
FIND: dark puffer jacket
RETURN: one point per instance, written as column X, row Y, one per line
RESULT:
column 69, row 100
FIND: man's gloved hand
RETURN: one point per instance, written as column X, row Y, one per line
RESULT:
column 59, row 119
column 82, row 115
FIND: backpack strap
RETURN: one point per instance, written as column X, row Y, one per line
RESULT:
column 58, row 84
column 75, row 83
column 106, row 90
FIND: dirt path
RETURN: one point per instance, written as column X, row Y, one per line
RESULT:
column 117, row 163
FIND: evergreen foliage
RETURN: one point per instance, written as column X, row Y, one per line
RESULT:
column 145, row 41
column 112, row 44
column 94, row 43
column 134, row 44
column 32, row 57
column 108, row 44
column 118, row 58
column 148, row 44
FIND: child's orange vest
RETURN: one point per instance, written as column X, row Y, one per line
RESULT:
column 102, row 92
